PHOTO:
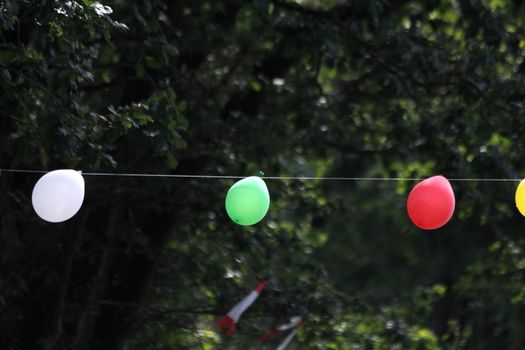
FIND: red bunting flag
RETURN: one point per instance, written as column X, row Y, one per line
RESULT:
column 230, row 320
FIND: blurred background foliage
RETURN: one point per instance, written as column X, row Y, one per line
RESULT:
column 381, row 88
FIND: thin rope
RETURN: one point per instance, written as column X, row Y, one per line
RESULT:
column 305, row 178
column 23, row 171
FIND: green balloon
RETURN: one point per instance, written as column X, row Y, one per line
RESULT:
column 248, row 201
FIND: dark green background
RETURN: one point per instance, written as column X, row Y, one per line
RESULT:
column 357, row 88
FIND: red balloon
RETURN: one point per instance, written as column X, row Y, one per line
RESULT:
column 431, row 203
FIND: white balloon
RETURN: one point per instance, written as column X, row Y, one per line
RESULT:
column 58, row 195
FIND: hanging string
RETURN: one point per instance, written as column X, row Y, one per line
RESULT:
column 302, row 178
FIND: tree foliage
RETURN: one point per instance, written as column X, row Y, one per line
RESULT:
column 375, row 88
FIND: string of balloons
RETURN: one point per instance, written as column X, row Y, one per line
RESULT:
column 58, row 195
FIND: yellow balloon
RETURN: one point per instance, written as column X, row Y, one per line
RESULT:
column 520, row 197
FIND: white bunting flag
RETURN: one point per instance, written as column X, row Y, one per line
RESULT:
column 287, row 341
column 295, row 323
column 230, row 320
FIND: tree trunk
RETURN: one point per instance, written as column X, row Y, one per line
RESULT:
column 88, row 315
